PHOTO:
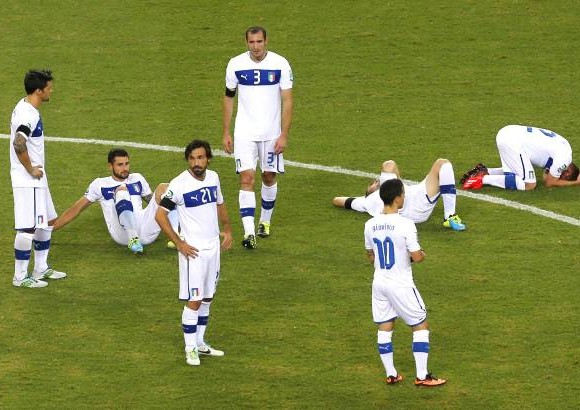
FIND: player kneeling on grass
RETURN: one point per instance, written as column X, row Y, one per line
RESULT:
column 196, row 195
column 420, row 198
column 391, row 244
column 121, row 196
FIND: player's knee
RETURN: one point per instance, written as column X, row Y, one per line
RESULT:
column 530, row 186
column 269, row 178
column 247, row 180
column 389, row 166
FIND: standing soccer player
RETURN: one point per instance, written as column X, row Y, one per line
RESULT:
column 197, row 196
column 391, row 243
column 263, row 80
column 33, row 206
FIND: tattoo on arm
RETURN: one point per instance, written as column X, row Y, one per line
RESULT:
column 19, row 144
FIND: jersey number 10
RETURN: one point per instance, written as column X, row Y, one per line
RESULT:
column 385, row 252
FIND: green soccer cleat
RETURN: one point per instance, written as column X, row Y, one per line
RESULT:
column 49, row 273
column 454, row 222
column 250, row 242
column 29, row 282
column 192, row 357
column 264, row 229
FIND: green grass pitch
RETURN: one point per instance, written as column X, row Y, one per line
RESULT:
column 411, row 81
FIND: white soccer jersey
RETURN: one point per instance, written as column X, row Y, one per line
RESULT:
column 545, row 148
column 259, row 85
column 392, row 237
column 197, row 207
column 27, row 117
column 103, row 191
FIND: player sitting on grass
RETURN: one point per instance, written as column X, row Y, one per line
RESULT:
column 420, row 198
column 121, row 196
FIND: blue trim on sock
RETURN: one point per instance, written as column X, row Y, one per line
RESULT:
column 385, row 348
column 189, row 328
column 267, row 205
column 41, row 245
column 123, row 205
column 421, row 347
column 447, row 189
column 510, row 181
column 247, row 212
column 21, row 255
column 202, row 320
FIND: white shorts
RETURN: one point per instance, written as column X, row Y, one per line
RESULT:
column 147, row 228
column 198, row 277
column 513, row 157
column 33, row 207
column 418, row 206
column 390, row 301
column 247, row 154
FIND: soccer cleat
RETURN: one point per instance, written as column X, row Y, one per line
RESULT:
column 454, row 222
column 207, row 350
column 394, row 379
column 49, row 273
column 472, row 172
column 474, row 182
column 429, row 381
column 192, row 357
column 135, row 245
column 264, row 229
column 249, row 242
column 29, row 282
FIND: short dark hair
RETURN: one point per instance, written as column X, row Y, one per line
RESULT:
column 195, row 144
column 256, row 30
column 570, row 173
column 36, row 80
column 391, row 189
column 116, row 152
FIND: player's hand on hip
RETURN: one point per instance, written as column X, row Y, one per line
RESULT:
column 227, row 144
column 187, row 250
column 36, row 171
column 227, row 240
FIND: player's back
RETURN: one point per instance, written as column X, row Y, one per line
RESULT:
column 392, row 237
column 544, row 146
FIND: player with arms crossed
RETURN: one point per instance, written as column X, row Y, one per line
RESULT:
column 520, row 149
column 33, row 206
column 121, row 196
column 197, row 196
column 421, row 198
column 391, row 244
column 263, row 80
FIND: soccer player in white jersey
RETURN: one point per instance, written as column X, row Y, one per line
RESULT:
column 392, row 245
column 263, row 81
column 121, row 196
column 420, row 198
column 33, row 206
column 521, row 148
column 196, row 194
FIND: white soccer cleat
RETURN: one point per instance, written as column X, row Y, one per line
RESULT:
column 207, row 350
column 29, row 282
column 48, row 274
column 192, row 357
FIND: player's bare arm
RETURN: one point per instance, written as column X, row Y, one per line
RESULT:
column 371, row 256
column 228, row 111
column 552, row 181
column 226, row 231
column 70, row 214
column 287, row 110
column 21, row 150
column 163, row 221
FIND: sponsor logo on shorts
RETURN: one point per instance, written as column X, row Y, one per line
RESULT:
column 194, row 292
column 40, row 219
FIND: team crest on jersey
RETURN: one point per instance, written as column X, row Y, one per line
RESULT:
column 271, row 76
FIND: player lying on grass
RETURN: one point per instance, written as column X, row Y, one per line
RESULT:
column 121, row 196
column 520, row 149
column 420, row 199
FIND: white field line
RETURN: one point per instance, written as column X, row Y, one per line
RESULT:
column 337, row 170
